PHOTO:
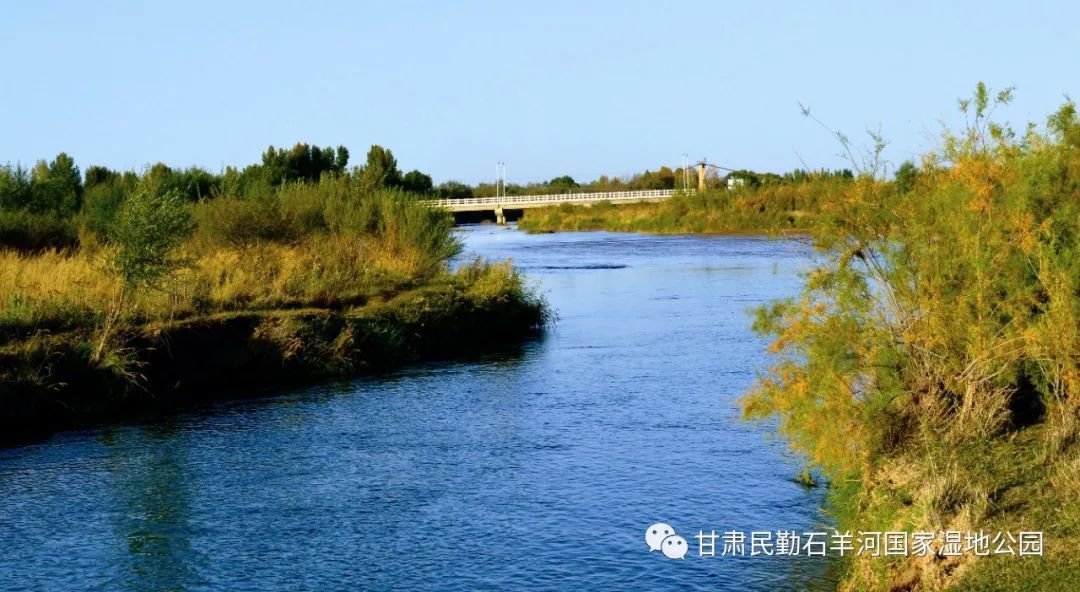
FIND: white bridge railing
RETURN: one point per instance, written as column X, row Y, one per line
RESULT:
column 510, row 200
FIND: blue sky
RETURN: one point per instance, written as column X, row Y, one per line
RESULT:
column 551, row 88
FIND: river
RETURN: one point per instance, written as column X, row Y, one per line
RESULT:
column 538, row 468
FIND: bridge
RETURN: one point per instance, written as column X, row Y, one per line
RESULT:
column 499, row 204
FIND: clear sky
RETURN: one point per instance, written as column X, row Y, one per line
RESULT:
column 550, row 87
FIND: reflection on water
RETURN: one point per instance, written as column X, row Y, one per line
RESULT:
column 538, row 470
column 155, row 523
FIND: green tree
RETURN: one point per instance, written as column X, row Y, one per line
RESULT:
column 67, row 182
column 98, row 175
column 906, row 176
column 381, row 170
column 416, row 182
column 454, row 190
column 563, row 182
column 56, row 187
column 341, row 159
column 302, row 162
column 664, row 178
column 101, row 205
column 15, row 188
column 149, row 227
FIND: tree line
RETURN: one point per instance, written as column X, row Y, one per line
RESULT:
column 662, row 178
column 50, row 204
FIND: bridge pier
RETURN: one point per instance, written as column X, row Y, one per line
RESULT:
column 500, row 216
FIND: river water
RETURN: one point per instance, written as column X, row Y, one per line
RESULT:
column 534, row 469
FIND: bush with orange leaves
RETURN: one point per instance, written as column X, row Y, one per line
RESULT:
column 937, row 319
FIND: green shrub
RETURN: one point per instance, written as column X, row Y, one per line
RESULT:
column 26, row 231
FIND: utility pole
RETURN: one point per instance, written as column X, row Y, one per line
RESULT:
column 500, row 179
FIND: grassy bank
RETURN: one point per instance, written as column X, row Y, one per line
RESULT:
column 51, row 381
column 780, row 207
column 930, row 368
column 159, row 298
column 1005, row 483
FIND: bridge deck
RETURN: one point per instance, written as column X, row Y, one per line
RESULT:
column 519, row 202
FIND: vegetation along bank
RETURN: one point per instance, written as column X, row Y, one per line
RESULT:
column 122, row 293
column 930, row 369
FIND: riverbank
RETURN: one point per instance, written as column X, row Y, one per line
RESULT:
column 183, row 283
column 50, row 381
column 996, row 487
column 555, row 436
column 928, row 368
column 779, row 209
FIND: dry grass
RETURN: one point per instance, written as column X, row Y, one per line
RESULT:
column 952, row 500
column 1066, row 477
column 63, row 289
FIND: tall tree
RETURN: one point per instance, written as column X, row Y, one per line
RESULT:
column 15, row 188
column 906, row 175
column 97, row 175
column 302, row 162
column 380, row 170
column 454, row 190
column 563, row 182
column 57, row 187
column 416, row 182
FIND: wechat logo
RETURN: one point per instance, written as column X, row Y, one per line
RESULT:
column 661, row 537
